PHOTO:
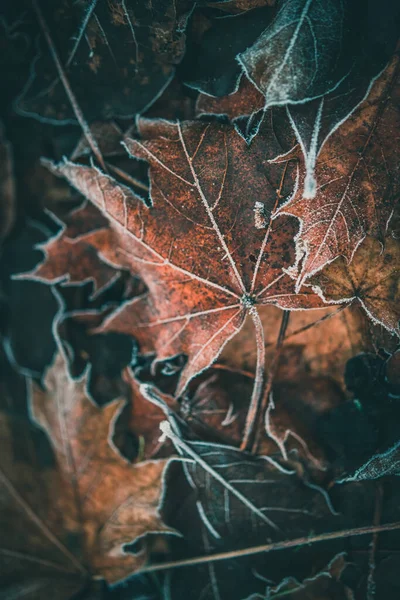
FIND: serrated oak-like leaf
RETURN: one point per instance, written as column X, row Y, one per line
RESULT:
column 295, row 58
column 372, row 278
column 197, row 249
column 97, row 502
column 358, row 177
column 118, row 56
column 117, row 501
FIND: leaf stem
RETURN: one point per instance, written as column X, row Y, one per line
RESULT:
column 272, row 370
column 64, row 80
column 258, row 385
column 303, row 541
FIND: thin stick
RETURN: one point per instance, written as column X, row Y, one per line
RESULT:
column 306, row 327
column 374, row 543
column 74, row 103
column 303, row 541
column 314, row 323
column 272, row 370
column 258, row 385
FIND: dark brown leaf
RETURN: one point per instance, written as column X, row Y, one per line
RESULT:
column 90, row 503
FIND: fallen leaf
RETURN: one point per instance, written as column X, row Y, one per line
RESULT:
column 372, row 278
column 295, row 58
column 210, row 65
column 69, row 257
column 233, row 499
column 230, row 490
column 356, row 191
column 92, row 502
column 326, row 585
column 197, row 249
column 118, row 57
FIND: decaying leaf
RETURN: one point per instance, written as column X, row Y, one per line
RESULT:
column 193, row 248
column 326, row 585
column 192, row 226
column 230, row 489
column 295, row 59
column 211, row 65
column 69, row 258
column 372, row 278
column 228, row 497
column 119, row 56
column 91, row 503
column 356, row 191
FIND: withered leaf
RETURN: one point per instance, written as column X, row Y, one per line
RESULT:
column 227, row 494
column 235, row 490
column 71, row 258
column 372, row 278
column 34, row 554
column 118, row 56
column 210, row 66
column 92, row 501
column 295, row 59
column 326, row 585
column 197, row 249
column 356, row 191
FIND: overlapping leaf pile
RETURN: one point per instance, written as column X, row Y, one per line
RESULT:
column 200, row 293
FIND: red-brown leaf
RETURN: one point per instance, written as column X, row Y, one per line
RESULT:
column 358, row 173
column 197, row 249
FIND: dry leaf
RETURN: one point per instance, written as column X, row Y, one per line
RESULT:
column 93, row 504
column 197, row 249
column 372, row 279
column 358, row 180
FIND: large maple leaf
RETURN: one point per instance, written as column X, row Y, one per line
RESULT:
column 91, row 502
column 206, row 249
column 358, row 178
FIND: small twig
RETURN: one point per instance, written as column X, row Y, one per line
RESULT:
column 303, row 541
column 254, row 408
column 313, row 324
column 71, row 96
column 272, row 371
column 374, row 543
